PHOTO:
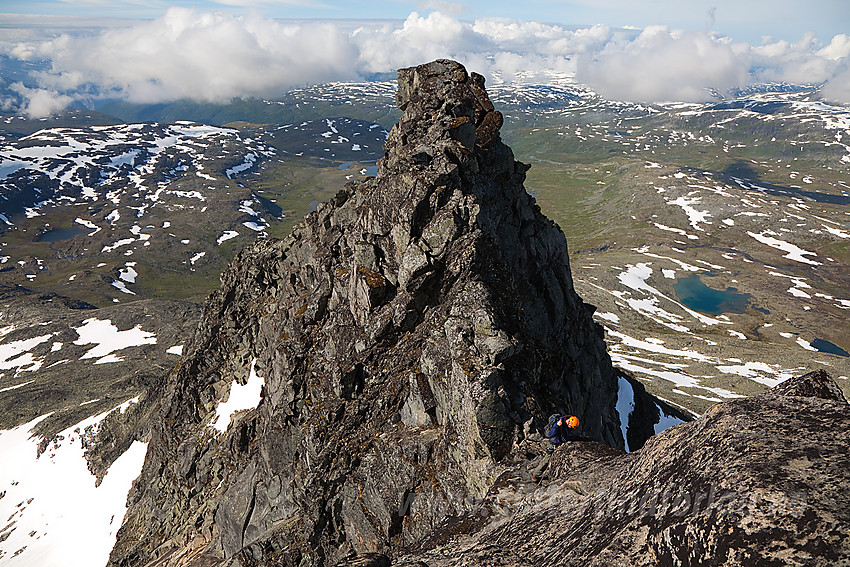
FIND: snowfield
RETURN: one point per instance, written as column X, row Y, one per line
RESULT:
column 87, row 164
column 53, row 510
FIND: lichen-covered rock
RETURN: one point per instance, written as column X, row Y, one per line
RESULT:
column 759, row 481
column 410, row 333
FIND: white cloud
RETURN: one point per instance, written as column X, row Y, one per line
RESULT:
column 799, row 63
column 664, row 65
column 497, row 48
column 419, row 39
column 212, row 57
column 217, row 57
column 838, row 87
column 41, row 102
column 839, row 47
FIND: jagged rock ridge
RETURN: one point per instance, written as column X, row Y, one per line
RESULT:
column 410, row 333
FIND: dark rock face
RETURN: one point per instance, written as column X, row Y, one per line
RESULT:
column 756, row 482
column 411, row 334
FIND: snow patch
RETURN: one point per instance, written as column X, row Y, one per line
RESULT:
column 108, row 338
column 793, row 252
column 254, row 226
column 16, row 386
column 837, row 232
column 122, row 287
column 241, row 397
column 625, row 406
column 16, row 354
column 245, row 207
column 249, row 161
column 677, row 231
column 226, row 235
column 695, row 217
column 665, row 421
column 128, row 274
column 760, row 372
column 88, row 224
column 118, row 244
column 612, row 317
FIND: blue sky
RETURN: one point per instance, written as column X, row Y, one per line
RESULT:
column 743, row 20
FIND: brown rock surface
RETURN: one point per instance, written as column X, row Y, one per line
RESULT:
column 761, row 481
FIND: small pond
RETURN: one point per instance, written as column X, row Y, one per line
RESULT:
column 694, row 294
column 367, row 170
column 59, row 234
column 831, row 348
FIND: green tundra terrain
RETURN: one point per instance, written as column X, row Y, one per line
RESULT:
column 712, row 238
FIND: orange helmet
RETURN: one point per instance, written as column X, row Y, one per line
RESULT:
column 572, row 422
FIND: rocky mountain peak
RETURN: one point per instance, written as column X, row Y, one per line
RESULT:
column 443, row 102
column 403, row 341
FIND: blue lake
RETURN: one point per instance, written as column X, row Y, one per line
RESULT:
column 694, row 294
column 831, row 348
column 370, row 170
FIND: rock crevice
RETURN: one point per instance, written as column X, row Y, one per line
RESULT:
column 756, row 481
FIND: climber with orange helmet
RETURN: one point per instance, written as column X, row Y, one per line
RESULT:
column 560, row 429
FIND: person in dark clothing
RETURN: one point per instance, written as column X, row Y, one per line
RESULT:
column 562, row 430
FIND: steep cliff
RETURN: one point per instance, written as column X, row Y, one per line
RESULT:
column 405, row 339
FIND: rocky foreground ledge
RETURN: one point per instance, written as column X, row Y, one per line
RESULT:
column 395, row 352
column 760, row 481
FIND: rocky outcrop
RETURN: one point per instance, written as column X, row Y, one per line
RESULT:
column 757, row 481
column 410, row 334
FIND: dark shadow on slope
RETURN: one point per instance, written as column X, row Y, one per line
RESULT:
column 760, row 107
column 648, row 415
column 743, row 175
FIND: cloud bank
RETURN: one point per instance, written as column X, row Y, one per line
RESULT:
column 660, row 65
column 218, row 57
